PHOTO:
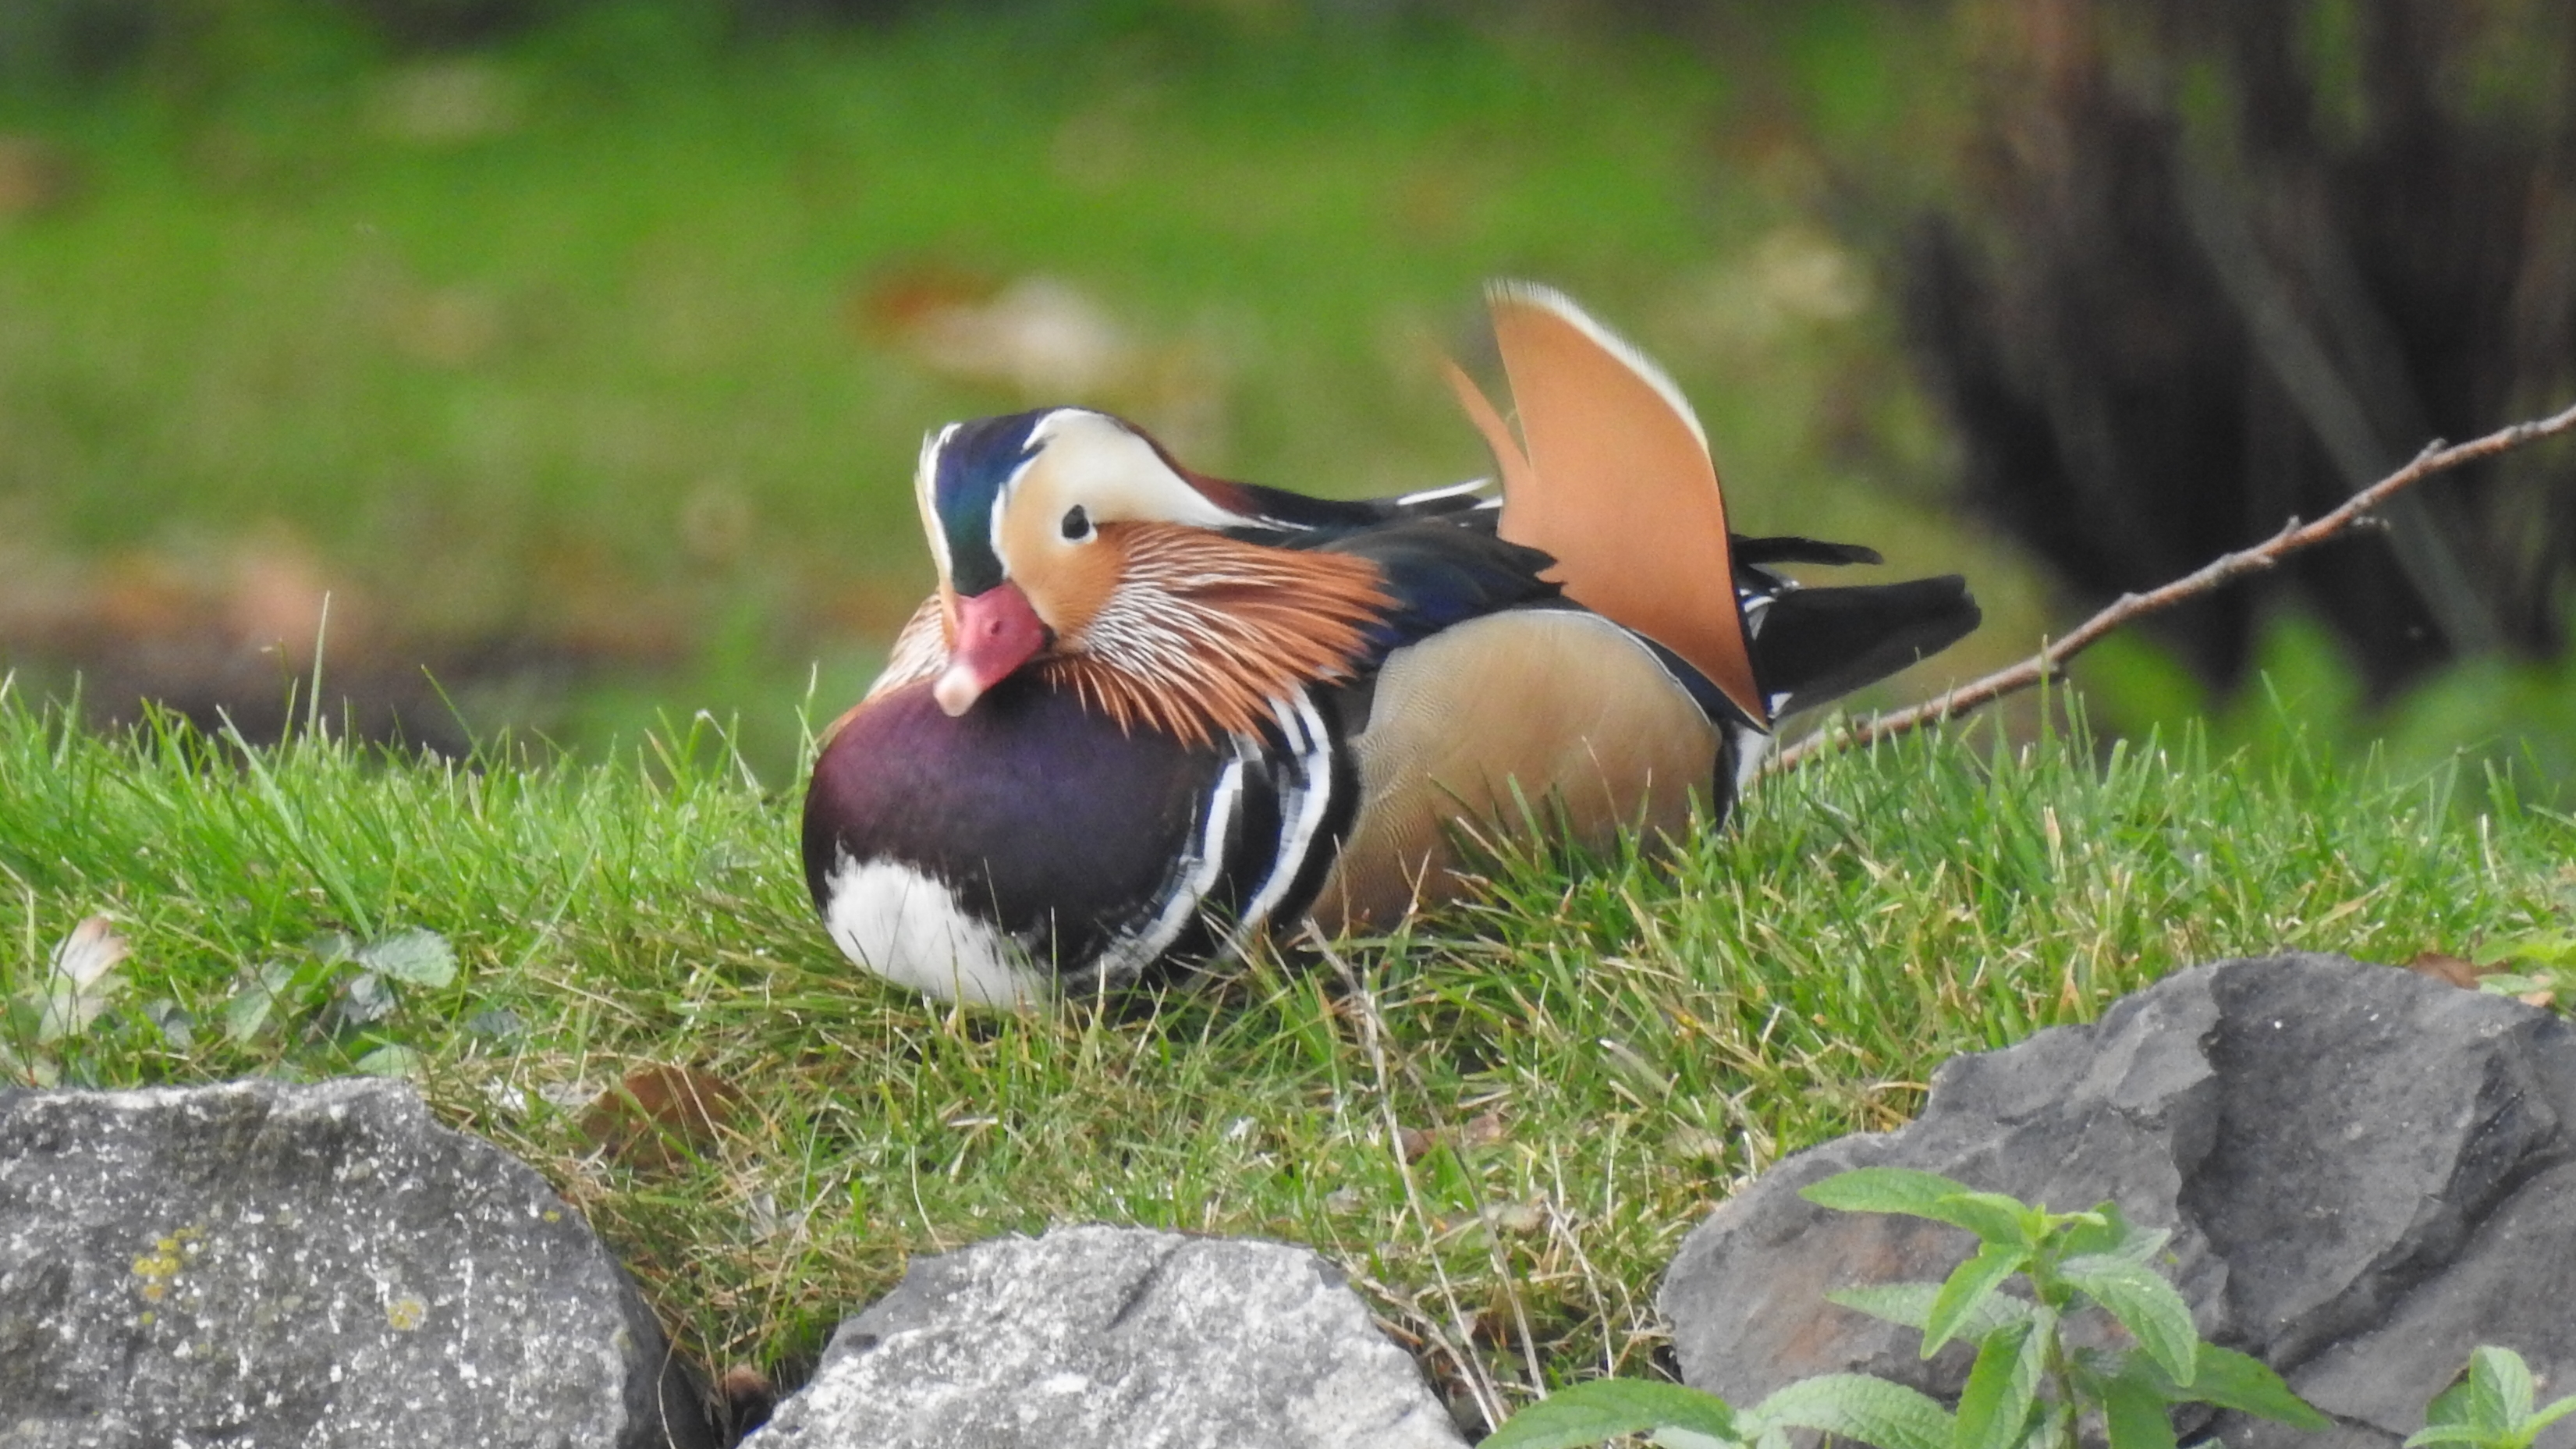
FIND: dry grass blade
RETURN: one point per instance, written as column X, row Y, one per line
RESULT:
column 2227, row 568
column 1489, row 1398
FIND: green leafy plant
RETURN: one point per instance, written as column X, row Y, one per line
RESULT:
column 2490, row 1407
column 342, row 987
column 2029, row 1387
column 2543, row 962
column 1847, row 1406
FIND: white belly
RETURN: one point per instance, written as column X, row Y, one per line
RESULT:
column 910, row 929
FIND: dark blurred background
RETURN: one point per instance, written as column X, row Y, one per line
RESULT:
column 577, row 350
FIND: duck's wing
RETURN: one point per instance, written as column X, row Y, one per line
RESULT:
column 1554, row 719
column 1616, row 483
column 1789, row 548
column 1276, row 515
column 1436, row 574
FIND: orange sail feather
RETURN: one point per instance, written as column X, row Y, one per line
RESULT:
column 1616, row 483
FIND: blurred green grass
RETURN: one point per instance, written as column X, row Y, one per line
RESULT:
column 587, row 367
column 597, row 338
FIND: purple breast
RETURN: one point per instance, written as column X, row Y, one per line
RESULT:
column 1051, row 820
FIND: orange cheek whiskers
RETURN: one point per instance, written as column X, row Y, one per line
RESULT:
column 1203, row 633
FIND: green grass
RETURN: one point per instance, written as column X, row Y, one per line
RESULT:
column 1605, row 1049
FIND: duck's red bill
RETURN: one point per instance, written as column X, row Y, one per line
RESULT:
column 997, row 632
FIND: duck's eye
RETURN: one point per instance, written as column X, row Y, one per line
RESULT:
column 1077, row 524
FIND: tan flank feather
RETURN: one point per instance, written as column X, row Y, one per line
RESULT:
column 1622, row 490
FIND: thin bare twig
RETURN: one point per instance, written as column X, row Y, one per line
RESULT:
column 2225, row 569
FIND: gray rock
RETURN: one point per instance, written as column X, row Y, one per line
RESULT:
column 265, row 1264
column 1120, row 1337
column 2367, row 1174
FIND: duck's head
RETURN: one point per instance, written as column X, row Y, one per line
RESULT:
column 1016, row 509
column 1069, row 541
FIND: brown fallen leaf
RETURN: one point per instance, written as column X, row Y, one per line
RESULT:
column 2467, row 974
column 660, row 1118
column 1698, row 1144
column 36, row 176
column 745, row 1398
column 2446, row 968
column 1483, row 1130
column 1044, row 336
column 1492, row 1325
column 890, row 306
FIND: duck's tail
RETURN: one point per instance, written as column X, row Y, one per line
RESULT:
column 1811, row 646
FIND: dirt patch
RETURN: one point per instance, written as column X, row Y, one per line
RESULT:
column 230, row 639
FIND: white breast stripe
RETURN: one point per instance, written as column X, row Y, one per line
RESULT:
column 1752, row 747
column 1640, row 643
column 1301, row 811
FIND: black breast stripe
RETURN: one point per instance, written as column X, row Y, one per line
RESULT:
column 1177, row 909
column 1313, row 785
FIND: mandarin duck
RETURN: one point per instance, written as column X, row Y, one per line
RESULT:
column 1150, row 713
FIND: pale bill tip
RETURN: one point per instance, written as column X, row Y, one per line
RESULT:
column 956, row 690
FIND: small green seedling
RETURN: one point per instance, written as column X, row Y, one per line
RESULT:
column 2028, row 1388
column 2543, row 962
column 342, row 987
column 2490, row 1408
column 2028, row 1385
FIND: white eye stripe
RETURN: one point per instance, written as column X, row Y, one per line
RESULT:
column 1117, row 473
column 925, row 483
column 1002, row 510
